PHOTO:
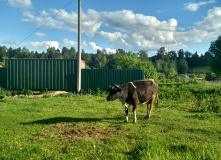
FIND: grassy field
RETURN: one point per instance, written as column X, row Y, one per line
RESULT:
column 186, row 125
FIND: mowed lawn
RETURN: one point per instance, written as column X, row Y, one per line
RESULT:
column 89, row 127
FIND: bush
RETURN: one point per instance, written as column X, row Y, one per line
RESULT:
column 208, row 105
column 27, row 92
column 3, row 92
column 210, row 76
column 192, row 76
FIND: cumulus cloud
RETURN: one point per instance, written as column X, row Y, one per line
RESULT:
column 41, row 46
column 9, row 41
column 69, row 42
column 20, row 3
column 63, row 21
column 39, row 34
column 131, row 31
column 211, row 22
column 195, row 6
column 110, row 51
column 94, row 47
column 203, row 30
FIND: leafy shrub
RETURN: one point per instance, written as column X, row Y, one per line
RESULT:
column 3, row 92
column 46, row 94
column 208, row 105
column 210, row 76
column 193, row 76
column 66, row 95
column 27, row 92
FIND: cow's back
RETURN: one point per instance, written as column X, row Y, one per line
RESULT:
column 145, row 89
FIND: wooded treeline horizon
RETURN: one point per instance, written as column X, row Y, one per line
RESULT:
column 164, row 65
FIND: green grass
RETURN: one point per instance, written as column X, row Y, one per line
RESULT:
column 89, row 127
column 199, row 70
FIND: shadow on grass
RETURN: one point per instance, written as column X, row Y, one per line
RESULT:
column 62, row 119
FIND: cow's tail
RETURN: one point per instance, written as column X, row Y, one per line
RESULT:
column 157, row 100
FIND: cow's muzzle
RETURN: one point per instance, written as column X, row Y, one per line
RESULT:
column 108, row 99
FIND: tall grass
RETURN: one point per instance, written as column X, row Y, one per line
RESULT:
column 89, row 127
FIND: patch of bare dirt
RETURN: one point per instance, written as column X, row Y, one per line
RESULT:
column 52, row 93
column 71, row 132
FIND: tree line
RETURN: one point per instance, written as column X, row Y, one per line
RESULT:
column 164, row 65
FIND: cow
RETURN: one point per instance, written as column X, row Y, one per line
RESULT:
column 133, row 93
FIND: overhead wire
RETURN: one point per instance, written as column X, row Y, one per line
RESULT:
column 43, row 24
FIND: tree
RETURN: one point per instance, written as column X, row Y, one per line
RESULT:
column 172, row 55
column 180, row 54
column 3, row 53
column 143, row 55
column 182, row 66
column 162, row 53
column 130, row 61
column 100, row 60
column 215, row 59
column 52, row 52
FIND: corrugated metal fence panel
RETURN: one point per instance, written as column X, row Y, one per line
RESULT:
column 3, row 77
column 40, row 74
column 92, row 79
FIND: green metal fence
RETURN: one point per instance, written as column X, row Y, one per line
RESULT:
column 3, row 74
column 60, row 74
column 40, row 74
column 92, row 79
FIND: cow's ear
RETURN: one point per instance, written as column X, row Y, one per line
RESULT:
column 118, row 88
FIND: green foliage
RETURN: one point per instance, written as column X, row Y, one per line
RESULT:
column 215, row 58
column 27, row 92
column 3, row 92
column 199, row 70
column 132, row 61
column 182, row 66
column 46, row 93
column 210, row 76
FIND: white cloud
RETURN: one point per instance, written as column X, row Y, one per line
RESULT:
column 69, row 43
column 63, row 21
column 131, row 31
column 112, row 37
column 94, row 47
column 195, row 6
column 20, row 3
column 9, row 41
column 209, row 28
column 42, row 46
column 38, row 34
column 110, row 51
column 211, row 22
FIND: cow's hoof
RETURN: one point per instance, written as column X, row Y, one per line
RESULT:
column 147, row 117
column 134, row 121
column 125, row 121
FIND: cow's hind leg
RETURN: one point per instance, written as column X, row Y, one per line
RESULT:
column 150, row 105
column 134, row 113
column 126, row 111
column 148, row 109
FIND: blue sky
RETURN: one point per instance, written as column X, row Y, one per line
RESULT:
column 109, row 25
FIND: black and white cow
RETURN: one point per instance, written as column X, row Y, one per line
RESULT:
column 132, row 93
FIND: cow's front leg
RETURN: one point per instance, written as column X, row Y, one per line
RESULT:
column 151, row 105
column 126, row 111
column 148, row 110
column 134, row 113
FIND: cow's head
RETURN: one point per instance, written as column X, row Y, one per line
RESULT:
column 114, row 92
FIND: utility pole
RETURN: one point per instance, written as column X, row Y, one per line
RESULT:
column 79, row 48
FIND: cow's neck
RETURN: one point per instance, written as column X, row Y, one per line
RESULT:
column 124, row 94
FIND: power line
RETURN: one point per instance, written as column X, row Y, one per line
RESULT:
column 43, row 24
